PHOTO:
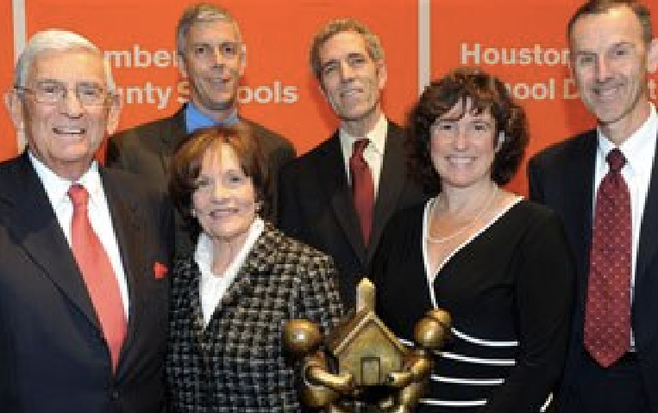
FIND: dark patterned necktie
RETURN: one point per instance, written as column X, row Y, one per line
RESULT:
column 608, row 307
column 363, row 189
column 97, row 273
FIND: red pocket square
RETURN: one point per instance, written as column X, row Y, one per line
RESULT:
column 159, row 270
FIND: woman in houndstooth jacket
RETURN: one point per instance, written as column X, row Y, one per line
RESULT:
column 245, row 279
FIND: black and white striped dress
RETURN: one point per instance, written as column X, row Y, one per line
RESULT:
column 509, row 290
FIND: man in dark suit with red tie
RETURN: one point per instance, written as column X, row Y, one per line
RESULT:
column 339, row 196
column 84, row 251
column 604, row 185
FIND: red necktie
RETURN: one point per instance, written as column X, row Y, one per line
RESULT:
column 608, row 308
column 363, row 189
column 97, row 273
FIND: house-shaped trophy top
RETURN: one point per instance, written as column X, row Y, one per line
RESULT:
column 363, row 345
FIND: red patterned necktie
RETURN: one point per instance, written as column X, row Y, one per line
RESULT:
column 363, row 189
column 97, row 273
column 608, row 307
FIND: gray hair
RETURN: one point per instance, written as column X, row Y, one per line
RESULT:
column 595, row 7
column 60, row 41
column 373, row 44
column 201, row 12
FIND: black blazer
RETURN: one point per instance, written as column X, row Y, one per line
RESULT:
column 147, row 150
column 315, row 205
column 562, row 177
column 52, row 351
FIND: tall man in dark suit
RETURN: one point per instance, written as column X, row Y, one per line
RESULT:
column 612, row 367
column 316, row 204
column 84, row 250
column 212, row 56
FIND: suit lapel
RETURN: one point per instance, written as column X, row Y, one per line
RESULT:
column 577, row 179
column 648, row 233
column 578, row 198
column 391, row 183
column 196, row 313
column 127, row 221
column 332, row 177
column 256, row 265
column 645, row 305
column 35, row 226
column 171, row 138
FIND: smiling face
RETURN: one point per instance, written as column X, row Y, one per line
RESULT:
column 64, row 135
column 224, row 200
column 462, row 146
column 610, row 61
column 351, row 80
column 214, row 62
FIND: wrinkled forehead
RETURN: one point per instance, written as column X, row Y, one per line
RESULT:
column 213, row 31
column 613, row 26
column 67, row 66
column 342, row 44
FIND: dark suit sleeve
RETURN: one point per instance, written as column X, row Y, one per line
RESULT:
column 168, row 227
column 535, row 184
column 545, row 285
column 288, row 207
column 278, row 158
column 112, row 151
column 379, row 264
column 115, row 156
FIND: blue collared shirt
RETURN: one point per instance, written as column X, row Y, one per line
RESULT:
column 195, row 119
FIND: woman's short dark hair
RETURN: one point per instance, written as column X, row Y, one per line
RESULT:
column 187, row 160
column 485, row 92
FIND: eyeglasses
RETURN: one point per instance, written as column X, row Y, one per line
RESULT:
column 53, row 93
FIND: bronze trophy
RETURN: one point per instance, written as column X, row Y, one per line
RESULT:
column 362, row 354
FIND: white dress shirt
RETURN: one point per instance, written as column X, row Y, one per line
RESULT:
column 98, row 210
column 374, row 152
column 212, row 287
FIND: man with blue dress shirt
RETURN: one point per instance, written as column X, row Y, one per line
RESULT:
column 212, row 56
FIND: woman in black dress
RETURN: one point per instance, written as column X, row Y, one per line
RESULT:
column 498, row 263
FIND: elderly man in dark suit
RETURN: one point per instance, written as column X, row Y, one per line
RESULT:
column 339, row 196
column 603, row 183
column 84, row 250
column 212, row 56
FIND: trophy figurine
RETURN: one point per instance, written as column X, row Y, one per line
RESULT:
column 362, row 354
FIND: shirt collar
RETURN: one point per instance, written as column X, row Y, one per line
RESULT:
column 57, row 187
column 635, row 147
column 195, row 119
column 376, row 136
column 204, row 249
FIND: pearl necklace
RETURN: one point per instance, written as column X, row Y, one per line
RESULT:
column 441, row 240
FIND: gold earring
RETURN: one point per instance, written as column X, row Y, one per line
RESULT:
column 501, row 140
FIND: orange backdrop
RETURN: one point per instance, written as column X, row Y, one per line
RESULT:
column 522, row 42
column 7, row 135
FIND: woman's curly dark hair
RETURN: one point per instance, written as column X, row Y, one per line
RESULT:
column 485, row 92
